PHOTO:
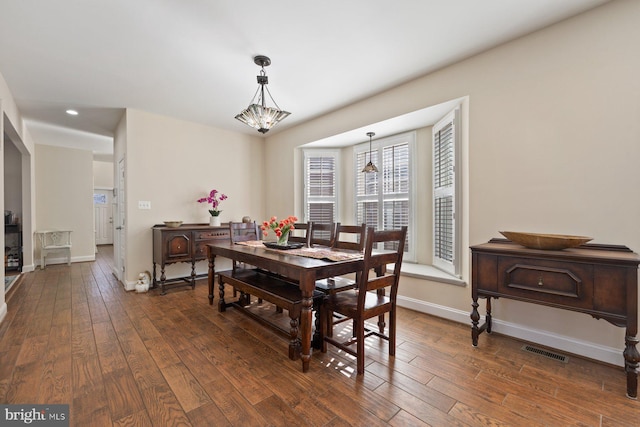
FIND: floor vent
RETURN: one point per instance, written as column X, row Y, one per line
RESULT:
column 551, row 355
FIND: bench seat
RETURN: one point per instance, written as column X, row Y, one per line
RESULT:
column 271, row 288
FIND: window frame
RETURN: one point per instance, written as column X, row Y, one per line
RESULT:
column 321, row 152
column 378, row 146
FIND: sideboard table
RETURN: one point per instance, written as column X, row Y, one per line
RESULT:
column 187, row 243
column 599, row 280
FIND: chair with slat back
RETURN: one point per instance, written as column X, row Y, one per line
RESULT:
column 243, row 232
column 351, row 237
column 322, row 234
column 300, row 233
column 372, row 299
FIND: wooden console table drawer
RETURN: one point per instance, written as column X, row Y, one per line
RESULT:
column 187, row 243
column 599, row 280
column 546, row 281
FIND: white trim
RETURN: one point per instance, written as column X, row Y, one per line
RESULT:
column 3, row 311
column 590, row 350
column 63, row 260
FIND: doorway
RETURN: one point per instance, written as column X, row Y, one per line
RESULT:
column 103, row 214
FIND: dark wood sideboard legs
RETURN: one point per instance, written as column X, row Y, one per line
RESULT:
column 631, row 360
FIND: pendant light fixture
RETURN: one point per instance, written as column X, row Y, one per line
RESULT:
column 257, row 114
column 370, row 167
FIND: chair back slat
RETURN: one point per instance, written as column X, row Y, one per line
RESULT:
column 322, row 234
column 243, row 231
column 300, row 233
column 350, row 237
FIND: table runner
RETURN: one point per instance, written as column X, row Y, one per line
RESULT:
column 314, row 252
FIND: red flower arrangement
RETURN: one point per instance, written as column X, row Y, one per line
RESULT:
column 280, row 228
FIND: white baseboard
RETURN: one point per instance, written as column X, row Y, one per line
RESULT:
column 3, row 311
column 586, row 349
column 63, row 260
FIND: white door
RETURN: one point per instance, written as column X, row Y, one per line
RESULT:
column 103, row 216
column 119, row 246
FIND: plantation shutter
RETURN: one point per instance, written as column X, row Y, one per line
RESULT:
column 444, row 194
column 321, row 187
column 383, row 199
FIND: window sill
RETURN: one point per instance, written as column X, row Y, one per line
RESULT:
column 429, row 272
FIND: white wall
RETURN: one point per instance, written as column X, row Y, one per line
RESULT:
column 64, row 188
column 102, row 174
column 553, row 146
column 172, row 163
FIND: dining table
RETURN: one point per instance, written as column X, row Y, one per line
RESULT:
column 303, row 266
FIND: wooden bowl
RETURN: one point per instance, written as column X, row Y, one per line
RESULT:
column 173, row 224
column 545, row 241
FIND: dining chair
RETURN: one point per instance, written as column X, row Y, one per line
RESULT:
column 351, row 237
column 242, row 232
column 300, row 233
column 322, row 233
column 371, row 299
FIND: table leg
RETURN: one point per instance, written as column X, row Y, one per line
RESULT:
column 475, row 318
column 307, row 286
column 631, row 359
column 488, row 315
column 155, row 282
column 163, row 277
column 211, row 276
column 193, row 274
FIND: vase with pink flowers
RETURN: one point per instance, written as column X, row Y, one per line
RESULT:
column 214, row 198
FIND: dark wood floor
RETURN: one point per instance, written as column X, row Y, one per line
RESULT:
column 73, row 335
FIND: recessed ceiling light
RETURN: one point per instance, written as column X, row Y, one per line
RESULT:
column 72, row 112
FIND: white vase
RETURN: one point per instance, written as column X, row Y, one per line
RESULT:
column 214, row 221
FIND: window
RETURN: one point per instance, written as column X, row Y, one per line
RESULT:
column 384, row 199
column 446, row 221
column 320, row 185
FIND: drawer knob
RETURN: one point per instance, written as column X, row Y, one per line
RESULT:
column 540, row 281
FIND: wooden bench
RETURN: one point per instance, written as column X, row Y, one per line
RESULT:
column 271, row 288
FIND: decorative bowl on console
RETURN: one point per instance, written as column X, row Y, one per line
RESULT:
column 173, row 224
column 545, row 241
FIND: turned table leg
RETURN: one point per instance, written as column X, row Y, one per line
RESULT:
column 631, row 359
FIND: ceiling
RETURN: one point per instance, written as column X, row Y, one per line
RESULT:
column 194, row 60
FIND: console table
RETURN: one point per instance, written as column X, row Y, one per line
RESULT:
column 599, row 280
column 187, row 243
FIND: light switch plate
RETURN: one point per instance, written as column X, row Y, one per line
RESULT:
column 144, row 204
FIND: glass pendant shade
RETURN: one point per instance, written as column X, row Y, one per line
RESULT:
column 370, row 167
column 257, row 114
column 261, row 118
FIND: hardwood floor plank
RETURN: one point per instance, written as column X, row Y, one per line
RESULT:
column 122, row 393
column 187, row 389
column 208, row 415
column 139, row 419
column 236, row 409
column 163, row 407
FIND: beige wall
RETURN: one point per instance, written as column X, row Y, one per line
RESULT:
column 553, row 146
column 172, row 163
column 64, row 188
column 102, row 174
